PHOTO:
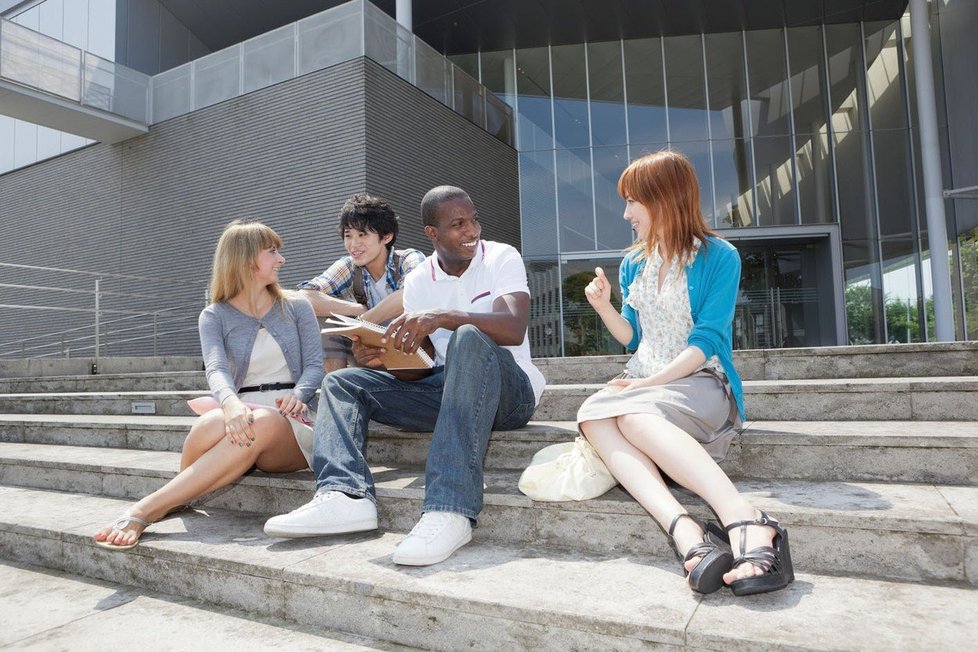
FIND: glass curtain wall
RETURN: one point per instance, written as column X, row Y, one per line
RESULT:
column 86, row 25
column 786, row 127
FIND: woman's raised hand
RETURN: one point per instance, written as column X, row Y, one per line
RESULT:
column 598, row 291
column 238, row 418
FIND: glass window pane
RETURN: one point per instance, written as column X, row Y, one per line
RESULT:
column 432, row 72
column 574, row 201
column 884, row 90
column 570, row 96
column 864, row 296
column 25, row 143
column 498, row 74
column 75, row 30
column 768, row 75
column 614, row 232
column 543, row 277
column 685, row 87
column 101, row 28
column 6, row 143
column 968, row 255
column 584, row 332
column 606, row 84
column 48, row 142
column 470, row 98
column 901, row 296
column 774, row 172
column 698, row 153
column 467, row 62
column 538, row 208
column 807, row 79
column 728, row 97
column 535, row 121
column 894, row 183
column 731, row 170
column 646, row 91
column 856, row 205
column 845, row 75
column 814, row 177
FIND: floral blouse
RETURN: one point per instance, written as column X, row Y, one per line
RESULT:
column 665, row 317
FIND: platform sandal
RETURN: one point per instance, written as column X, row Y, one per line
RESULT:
column 714, row 553
column 774, row 560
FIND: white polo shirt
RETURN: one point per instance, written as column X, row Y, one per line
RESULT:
column 496, row 270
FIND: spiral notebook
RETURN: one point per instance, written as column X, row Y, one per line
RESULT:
column 370, row 334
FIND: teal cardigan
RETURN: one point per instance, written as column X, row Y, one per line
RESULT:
column 713, row 280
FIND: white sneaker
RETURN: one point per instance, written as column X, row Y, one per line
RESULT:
column 329, row 512
column 436, row 536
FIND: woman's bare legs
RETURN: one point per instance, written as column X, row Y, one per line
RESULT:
column 203, row 471
column 635, row 446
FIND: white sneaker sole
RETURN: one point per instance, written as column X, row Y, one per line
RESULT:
column 296, row 531
column 404, row 560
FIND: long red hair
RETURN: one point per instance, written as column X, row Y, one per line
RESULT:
column 665, row 183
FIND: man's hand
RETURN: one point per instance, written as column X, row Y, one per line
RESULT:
column 367, row 356
column 407, row 333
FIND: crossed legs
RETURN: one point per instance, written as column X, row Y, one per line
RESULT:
column 636, row 446
column 210, row 461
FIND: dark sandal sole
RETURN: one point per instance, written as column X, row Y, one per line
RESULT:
column 707, row 577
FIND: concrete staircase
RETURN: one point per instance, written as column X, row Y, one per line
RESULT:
column 869, row 455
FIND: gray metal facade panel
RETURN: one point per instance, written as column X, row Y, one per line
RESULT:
column 288, row 155
column 415, row 143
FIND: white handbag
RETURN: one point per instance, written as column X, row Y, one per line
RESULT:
column 568, row 471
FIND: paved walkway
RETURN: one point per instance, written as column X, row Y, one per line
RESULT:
column 43, row 609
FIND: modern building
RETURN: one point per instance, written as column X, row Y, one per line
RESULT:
column 803, row 118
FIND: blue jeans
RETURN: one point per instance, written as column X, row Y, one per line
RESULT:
column 479, row 389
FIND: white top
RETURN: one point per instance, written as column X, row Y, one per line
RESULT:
column 496, row 270
column 665, row 316
column 267, row 364
column 379, row 289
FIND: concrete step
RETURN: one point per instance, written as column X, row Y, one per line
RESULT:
column 914, row 532
column 171, row 381
column 876, row 451
column 45, row 367
column 486, row 597
column 52, row 610
column 944, row 398
column 876, row 361
column 847, row 399
column 873, row 361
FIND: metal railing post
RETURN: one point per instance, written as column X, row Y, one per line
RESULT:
column 98, row 296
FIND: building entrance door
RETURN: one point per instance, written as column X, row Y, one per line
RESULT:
column 786, row 295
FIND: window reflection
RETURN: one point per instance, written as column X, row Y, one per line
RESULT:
column 729, row 113
column 571, row 128
column 607, row 90
column 686, row 89
column 647, row 119
column 584, row 333
column 535, row 120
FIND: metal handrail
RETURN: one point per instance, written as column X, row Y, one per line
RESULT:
column 122, row 320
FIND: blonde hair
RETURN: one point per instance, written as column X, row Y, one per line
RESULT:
column 665, row 183
column 236, row 253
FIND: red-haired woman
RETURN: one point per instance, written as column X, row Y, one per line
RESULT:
column 679, row 402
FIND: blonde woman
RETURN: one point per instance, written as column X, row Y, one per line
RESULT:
column 678, row 404
column 260, row 347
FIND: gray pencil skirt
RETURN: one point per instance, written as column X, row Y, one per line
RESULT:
column 702, row 405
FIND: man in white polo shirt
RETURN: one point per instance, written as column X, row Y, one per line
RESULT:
column 471, row 299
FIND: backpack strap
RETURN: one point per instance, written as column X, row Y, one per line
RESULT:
column 397, row 270
column 359, row 292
